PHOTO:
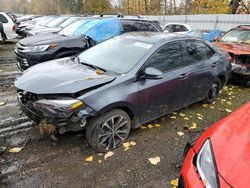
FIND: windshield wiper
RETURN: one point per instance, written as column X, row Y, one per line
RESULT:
column 93, row 66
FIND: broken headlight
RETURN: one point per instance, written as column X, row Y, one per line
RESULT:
column 206, row 166
column 58, row 108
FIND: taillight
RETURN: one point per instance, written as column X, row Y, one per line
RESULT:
column 14, row 28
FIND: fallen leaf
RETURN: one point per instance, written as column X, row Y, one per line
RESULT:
column 200, row 118
column 182, row 115
column 100, row 72
column 229, row 103
column 180, row 133
column 99, row 161
column 89, row 159
column 150, row 126
column 127, row 148
column 15, row 150
column 1, row 70
column 2, row 103
column 212, row 107
column 174, row 182
column 157, row 125
column 174, row 113
column 228, row 110
column 194, row 126
column 143, row 127
column 205, row 105
column 199, row 115
column 155, row 160
column 100, row 154
column 185, row 118
column 126, row 144
column 132, row 143
column 89, row 78
column 172, row 117
column 109, row 154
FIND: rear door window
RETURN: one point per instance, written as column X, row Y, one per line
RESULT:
column 130, row 26
column 147, row 27
column 179, row 28
column 3, row 19
column 167, row 57
column 197, row 51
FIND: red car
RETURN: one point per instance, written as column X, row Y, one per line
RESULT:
column 236, row 42
column 220, row 158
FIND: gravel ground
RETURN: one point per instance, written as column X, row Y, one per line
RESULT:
column 44, row 163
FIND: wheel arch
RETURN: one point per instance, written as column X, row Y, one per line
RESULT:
column 125, row 107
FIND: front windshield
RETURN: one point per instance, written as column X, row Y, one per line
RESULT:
column 68, row 22
column 56, row 22
column 70, row 29
column 117, row 55
column 46, row 21
column 237, row 36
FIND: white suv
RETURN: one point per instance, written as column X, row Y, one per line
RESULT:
column 9, row 26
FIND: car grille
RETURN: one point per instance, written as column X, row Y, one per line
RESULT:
column 27, row 99
column 22, row 61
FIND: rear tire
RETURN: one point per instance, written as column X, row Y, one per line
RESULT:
column 213, row 92
column 108, row 131
column 247, row 83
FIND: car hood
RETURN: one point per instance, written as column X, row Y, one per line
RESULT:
column 60, row 76
column 46, row 30
column 237, row 49
column 46, row 39
column 230, row 139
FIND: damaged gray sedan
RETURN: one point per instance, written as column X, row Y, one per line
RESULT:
column 122, row 83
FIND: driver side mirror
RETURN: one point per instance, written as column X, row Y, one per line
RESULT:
column 152, row 73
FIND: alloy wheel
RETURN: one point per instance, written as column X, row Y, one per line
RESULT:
column 113, row 132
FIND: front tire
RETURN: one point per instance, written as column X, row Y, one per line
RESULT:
column 109, row 130
column 213, row 92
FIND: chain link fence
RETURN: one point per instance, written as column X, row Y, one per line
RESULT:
column 224, row 22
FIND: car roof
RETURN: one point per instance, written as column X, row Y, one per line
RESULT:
column 247, row 27
column 154, row 37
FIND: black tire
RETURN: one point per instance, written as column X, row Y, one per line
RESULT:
column 247, row 83
column 213, row 92
column 108, row 131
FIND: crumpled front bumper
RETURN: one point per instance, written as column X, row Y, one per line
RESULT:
column 76, row 121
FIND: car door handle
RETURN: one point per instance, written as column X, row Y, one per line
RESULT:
column 182, row 76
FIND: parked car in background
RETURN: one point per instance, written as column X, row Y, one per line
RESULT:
column 40, row 24
column 9, row 27
column 121, row 84
column 75, row 38
column 21, row 26
column 220, row 158
column 237, row 43
column 177, row 28
column 210, row 36
column 54, row 27
column 53, row 24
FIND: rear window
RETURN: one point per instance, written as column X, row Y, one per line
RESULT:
column 3, row 19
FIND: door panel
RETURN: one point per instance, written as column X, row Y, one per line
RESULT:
column 201, row 70
column 159, row 97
